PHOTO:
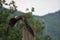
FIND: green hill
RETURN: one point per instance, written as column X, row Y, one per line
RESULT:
column 52, row 22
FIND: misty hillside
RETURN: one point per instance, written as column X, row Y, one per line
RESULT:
column 52, row 22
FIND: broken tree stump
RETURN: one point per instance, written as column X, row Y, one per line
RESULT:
column 27, row 35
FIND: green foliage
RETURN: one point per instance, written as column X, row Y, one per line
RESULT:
column 47, row 37
column 37, row 23
column 16, row 33
column 4, row 14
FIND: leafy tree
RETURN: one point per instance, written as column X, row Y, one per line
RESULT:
column 4, row 14
column 16, row 33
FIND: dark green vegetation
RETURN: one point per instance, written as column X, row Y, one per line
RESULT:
column 52, row 22
column 16, row 33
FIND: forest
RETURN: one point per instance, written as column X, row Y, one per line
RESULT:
column 16, row 32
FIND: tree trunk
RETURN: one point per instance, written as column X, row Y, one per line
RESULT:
column 27, row 35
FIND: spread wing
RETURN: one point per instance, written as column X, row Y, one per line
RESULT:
column 28, row 27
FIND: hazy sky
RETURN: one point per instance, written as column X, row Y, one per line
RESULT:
column 42, row 7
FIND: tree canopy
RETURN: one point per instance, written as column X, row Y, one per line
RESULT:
column 16, row 33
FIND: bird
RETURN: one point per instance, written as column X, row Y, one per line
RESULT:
column 13, row 21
